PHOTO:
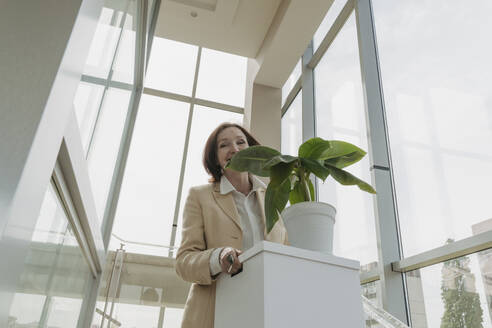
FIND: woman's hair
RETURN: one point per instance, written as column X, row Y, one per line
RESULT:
column 210, row 160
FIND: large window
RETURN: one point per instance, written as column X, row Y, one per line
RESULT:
column 104, row 95
column 327, row 22
column 205, row 120
column 291, row 81
column 436, row 72
column 148, row 193
column 104, row 148
column 56, row 276
column 222, row 78
column 340, row 115
column 291, row 127
column 454, row 293
column 171, row 66
column 148, row 203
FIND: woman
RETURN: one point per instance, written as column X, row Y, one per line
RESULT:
column 220, row 219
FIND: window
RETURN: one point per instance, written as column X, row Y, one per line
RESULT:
column 291, row 81
column 148, row 194
column 205, row 120
column 436, row 77
column 340, row 115
column 327, row 22
column 292, row 127
column 104, row 149
column 52, row 286
column 104, row 43
column 456, row 292
column 171, row 66
column 124, row 61
column 222, row 78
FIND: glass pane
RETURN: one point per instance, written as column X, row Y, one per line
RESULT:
column 56, row 276
column 292, row 127
column 136, row 315
column 86, row 103
column 439, row 113
column 291, row 81
column 340, row 115
column 173, row 317
column 327, row 22
column 205, row 120
column 455, row 293
column 372, row 291
column 222, row 78
column 104, row 43
column 148, row 194
column 105, row 146
column 125, row 57
column 171, row 66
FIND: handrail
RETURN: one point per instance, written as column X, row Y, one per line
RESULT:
column 385, row 319
column 142, row 243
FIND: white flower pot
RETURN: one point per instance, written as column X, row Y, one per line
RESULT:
column 310, row 225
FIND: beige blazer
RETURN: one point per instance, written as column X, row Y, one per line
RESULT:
column 210, row 221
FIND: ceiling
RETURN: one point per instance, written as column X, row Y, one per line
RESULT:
column 273, row 32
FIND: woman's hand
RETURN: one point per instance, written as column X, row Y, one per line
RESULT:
column 228, row 255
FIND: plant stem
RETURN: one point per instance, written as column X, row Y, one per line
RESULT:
column 304, row 185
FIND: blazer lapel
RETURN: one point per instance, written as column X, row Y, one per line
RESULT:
column 226, row 203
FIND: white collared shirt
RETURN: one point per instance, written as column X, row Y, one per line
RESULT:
column 250, row 217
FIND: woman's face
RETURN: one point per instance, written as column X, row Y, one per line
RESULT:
column 230, row 141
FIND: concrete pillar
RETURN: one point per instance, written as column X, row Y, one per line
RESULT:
column 262, row 114
column 43, row 49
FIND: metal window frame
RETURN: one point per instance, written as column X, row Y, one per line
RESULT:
column 63, row 194
column 87, row 247
column 291, row 96
column 107, row 81
column 137, row 90
column 463, row 247
column 386, row 205
column 174, row 226
column 121, row 161
column 394, row 292
column 332, row 33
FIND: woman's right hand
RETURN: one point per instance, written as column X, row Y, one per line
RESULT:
column 226, row 255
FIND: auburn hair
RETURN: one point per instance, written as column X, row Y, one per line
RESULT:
column 210, row 159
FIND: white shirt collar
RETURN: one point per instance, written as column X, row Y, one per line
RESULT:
column 226, row 186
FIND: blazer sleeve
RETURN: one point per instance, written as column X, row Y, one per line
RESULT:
column 193, row 257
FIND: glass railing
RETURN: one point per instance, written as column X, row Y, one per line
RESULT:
column 376, row 317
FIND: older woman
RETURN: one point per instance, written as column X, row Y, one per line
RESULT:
column 220, row 220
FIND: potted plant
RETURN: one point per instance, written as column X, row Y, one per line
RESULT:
column 308, row 223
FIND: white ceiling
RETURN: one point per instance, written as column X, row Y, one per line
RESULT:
column 233, row 26
column 273, row 32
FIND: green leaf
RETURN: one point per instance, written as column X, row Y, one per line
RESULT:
column 337, row 153
column 346, row 160
column 311, row 190
column 348, row 179
column 314, row 148
column 316, row 167
column 348, row 152
column 276, row 198
column 279, row 159
column 296, row 195
column 280, row 172
column 252, row 160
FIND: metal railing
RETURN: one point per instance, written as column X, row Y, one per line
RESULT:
column 383, row 318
